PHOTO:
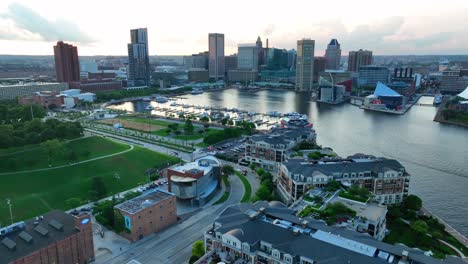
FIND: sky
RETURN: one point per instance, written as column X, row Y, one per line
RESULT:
column 181, row 27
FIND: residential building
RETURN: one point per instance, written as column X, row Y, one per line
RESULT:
column 305, row 64
column 269, row 150
column 148, row 213
column 320, row 64
column 359, row 58
column 67, row 65
column 370, row 75
column 16, row 90
column 216, row 55
column 195, row 182
column 452, row 81
column 270, row 233
column 244, row 76
column 386, row 179
column 333, row 55
column 198, row 75
column 55, row 237
column 138, row 58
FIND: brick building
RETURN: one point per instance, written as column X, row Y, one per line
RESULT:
column 148, row 213
column 67, row 65
column 97, row 85
column 48, row 100
column 56, row 237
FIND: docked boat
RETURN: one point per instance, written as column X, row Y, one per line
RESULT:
column 149, row 107
column 147, row 99
column 173, row 104
column 437, row 99
column 197, row 91
column 161, row 99
column 274, row 114
column 251, row 113
column 186, row 106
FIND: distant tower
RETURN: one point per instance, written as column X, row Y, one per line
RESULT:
column 67, row 65
column 138, row 58
column 359, row 58
column 333, row 55
column 260, row 51
column 216, row 55
column 305, row 65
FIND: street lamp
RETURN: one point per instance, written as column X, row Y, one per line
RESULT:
column 8, row 201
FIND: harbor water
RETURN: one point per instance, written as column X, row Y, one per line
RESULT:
column 436, row 155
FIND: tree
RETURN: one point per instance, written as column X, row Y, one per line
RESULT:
column 206, row 126
column 53, row 148
column 188, row 127
column 224, row 121
column 230, row 122
column 413, row 202
column 332, row 186
column 420, row 227
column 263, row 193
column 198, row 248
column 204, row 119
column 228, row 170
column 98, row 188
column 73, row 202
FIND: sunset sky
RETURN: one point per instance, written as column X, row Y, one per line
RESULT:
column 179, row 27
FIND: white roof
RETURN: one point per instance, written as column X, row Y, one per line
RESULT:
column 384, row 90
column 464, row 94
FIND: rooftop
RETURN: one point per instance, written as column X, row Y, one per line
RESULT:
column 141, row 202
column 373, row 212
column 204, row 164
column 37, row 233
column 282, row 135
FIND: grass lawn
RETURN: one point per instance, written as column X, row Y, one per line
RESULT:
column 7, row 151
column 222, row 199
column 37, row 158
column 35, row 193
column 156, row 122
column 247, row 187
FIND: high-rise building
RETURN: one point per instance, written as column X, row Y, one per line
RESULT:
column 333, row 55
column 199, row 61
column 276, row 59
column 138, row 58
column 359, row 58
column 230, row 62
column 370, row 75
column 216, row 55
column 67, row 65
column 247, row 57
column 305, row 64
column 319, row 66
column 292, row 57
column 260, row 51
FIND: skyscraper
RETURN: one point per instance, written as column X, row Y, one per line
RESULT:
column 138, row 58
column 260, row 51
column 319, row 66
column 359, row 58
column 333, row 55
column 247, row 57
column 216, row 55
column 305, row 64
column 67, row 65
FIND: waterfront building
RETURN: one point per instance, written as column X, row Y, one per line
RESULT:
column 16, row 90
column 370, row 75
column 271, row 233
column 216, row 55
column 292, row 59
column 276, row 59
column 230, row 62
column 386, row 179
column 55, row 237
column 195, row 182
column 247, row 57
column 359, row 58
column 320, row 64
column 67, row 65
column 269, row 150
column 338, row 77
column 305, row 64
column 331, row 93
column 198, row 75
column 138, row 58
column 279, row 76
column 384, row 98
column 452, row 81
column 333, row 55
column 260, row 50
column 147, row 214
column 243, row 76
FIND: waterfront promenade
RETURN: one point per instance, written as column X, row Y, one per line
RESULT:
column 448, row 228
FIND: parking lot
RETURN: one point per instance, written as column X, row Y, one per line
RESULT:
column 232, row 149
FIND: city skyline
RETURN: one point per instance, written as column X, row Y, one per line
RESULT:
column 392, row 28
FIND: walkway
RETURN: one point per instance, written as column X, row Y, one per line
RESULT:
column 69, row 165
column 455, row 249
column 452, row 231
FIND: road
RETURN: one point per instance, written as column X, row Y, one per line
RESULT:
column 174, row 244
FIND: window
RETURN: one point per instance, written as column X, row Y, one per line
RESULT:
column 161, row 218
column 139, row 217
column 150, row 211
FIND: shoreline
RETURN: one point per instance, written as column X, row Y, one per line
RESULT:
column 452, row 231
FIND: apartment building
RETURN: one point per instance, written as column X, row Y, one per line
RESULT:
column 270, row 233
column 268, row 150
column 386, row 179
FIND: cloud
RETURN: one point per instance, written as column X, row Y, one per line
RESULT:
column 268, row 31
column 33, row 27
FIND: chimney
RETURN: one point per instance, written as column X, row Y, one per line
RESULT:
column 395, row 72
column 406, row 72
column 267, row 44
column 411, row 72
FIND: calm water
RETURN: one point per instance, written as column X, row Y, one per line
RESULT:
column 435, row 155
